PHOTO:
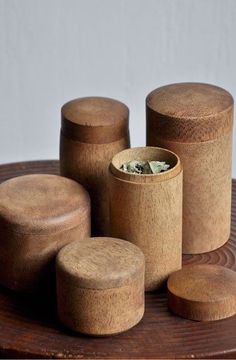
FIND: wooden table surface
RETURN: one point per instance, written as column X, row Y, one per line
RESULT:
column 29, row 327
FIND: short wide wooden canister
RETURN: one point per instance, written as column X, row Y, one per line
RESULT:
column 195, row 121
column 147, row 210
column 100, row 286
column 93, row 130
column 39, row 214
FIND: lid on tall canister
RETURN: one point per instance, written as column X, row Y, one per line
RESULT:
column 189, row 112
column 95, row 120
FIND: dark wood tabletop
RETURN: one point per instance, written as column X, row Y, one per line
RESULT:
column 29, row 327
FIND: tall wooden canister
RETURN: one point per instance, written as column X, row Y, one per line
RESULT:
column 146, row 209
column 195, row 121
column 93, row 130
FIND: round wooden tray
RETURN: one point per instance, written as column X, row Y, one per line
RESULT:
column 29, row 327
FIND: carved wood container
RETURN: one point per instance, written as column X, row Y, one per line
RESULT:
column 195, row 121
column 100, row 286
column 39, row 214
column 147, row 210
column 93, row 130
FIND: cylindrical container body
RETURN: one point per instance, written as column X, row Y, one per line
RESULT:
column 93, row 130
column 195, row 121
column 39, row 214
column 100, row 286
column 147, row 211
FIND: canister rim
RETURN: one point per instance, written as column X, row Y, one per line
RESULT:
column 146, row 153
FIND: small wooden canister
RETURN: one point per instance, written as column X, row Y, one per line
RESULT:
column 147, row 210
column 93, row 130
column 100, row 286
column 39, row 214
column 195, row 121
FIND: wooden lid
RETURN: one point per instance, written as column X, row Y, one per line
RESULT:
column 202, row 292
column 147, row 153
column 189, row 112
column 95, row 120
column 101, row 263
column 42, row 204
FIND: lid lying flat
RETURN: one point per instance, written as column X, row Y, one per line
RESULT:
column 95, row 119
column 189, row 111
column 202, row 292
column 42, row 204
column 101, row 263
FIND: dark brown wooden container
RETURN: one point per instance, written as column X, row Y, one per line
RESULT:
column 39, row 214
column 93, row 130
column 147, row 211
column 100, row 286
column 195, row 121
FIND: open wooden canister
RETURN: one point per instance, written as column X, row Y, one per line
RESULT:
column 146, row 209
column 195, row 121
column 93, row 130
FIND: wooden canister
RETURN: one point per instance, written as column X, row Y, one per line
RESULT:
column 195, row 121
column 147, row 210
column 39, row 214
column 100, row 286
column 93, row 130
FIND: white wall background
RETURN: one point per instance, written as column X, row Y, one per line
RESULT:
column 55, row 50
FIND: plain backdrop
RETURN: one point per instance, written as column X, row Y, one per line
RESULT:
column 54, row 50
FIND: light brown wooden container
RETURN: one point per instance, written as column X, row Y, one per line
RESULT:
column 93, row 130
column 147, row 210
column 39, row 214
column 195, row 121
column 100, row 286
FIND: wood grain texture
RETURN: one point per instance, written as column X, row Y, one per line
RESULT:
column 101, row 262
column 189, row 112
column 95, row 120
column 42, row 203
column 195, row 121
column 39, row 214
column 147, row 211
column 29, row 327
column 88, row 164
column 206, row 210
column 93, row 131
column 202, row 292
column 100, row 286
